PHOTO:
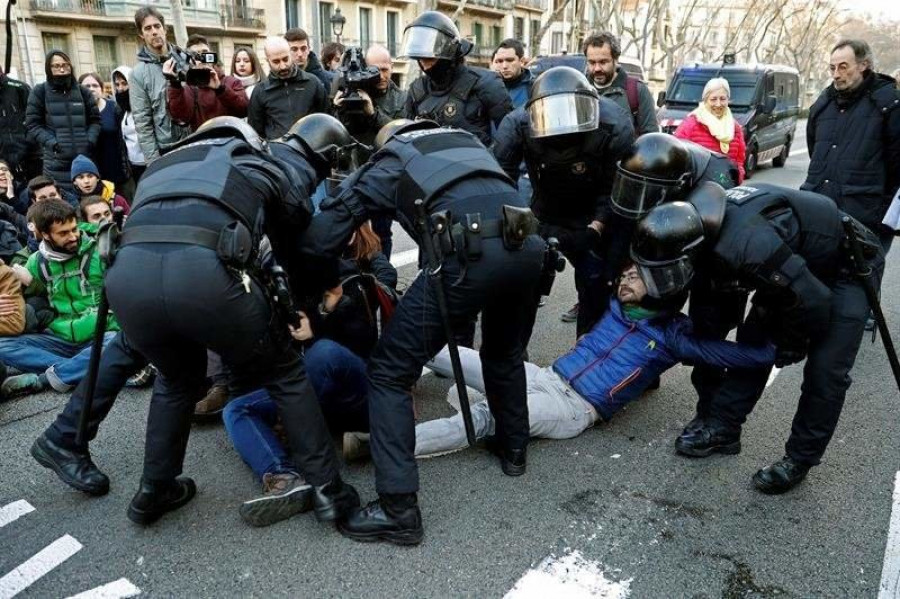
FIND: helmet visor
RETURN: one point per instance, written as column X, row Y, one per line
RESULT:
column 560, row 114
column 425, row 42
column 665, row 279
column 634, row 196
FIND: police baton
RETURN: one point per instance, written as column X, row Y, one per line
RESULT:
column 111, row 230
column 866, row 276
column 423, row 222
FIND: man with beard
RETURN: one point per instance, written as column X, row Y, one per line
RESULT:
column 449, row 92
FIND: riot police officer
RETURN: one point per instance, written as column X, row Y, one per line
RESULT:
column 571, row 140
column 450, row 92
column 788, row 246
column 491, row 263
column 183, row 281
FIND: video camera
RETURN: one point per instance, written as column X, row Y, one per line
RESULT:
column 186, row 66
column 356, row 76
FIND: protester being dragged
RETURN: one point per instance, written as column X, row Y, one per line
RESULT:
column 86, row 178
column 712, row 125
column 109, row 155
column 245, row 68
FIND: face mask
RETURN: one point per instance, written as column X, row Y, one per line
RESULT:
column 123, row 99
column 441, row 73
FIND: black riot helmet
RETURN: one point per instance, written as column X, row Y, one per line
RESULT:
column 321, row 139
column 656, row 169
column 398, row 126
column 664, row 246
column 562, row 101
column 434, row 35
column 226, row 126
column 709, row 200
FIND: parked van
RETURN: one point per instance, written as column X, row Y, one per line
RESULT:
column 764, row 100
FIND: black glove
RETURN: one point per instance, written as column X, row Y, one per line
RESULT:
column 788, row 355
column 587, row 240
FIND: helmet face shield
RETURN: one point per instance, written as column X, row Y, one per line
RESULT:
column 633, row 196
column 561, row 114
column 426, row 42
column 666, row 279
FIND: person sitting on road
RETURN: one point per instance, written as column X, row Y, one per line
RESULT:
column 42, row 188
column 712, row 126
column 93, row 209
column 609, row 367
column 86, row 180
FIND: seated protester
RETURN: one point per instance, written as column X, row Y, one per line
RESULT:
column 12, row 300
column 609, row 367
column 69, row 266
column 93, row 209
column 86, row 180
column 12, row 224
column 9, row 187
column 336, row 366
column 42, row 188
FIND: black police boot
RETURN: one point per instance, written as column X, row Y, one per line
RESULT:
column 708, row 439
column 512, row 460
column 332, row 501
column 154, row 499
column 780, row 477
column 696, row 423
column 392, row 518
column 74, row 468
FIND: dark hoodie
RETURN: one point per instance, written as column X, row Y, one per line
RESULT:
column 62, row 117
column 314, row 67
column 14, row 146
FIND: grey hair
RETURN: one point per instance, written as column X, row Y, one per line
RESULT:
column 861, row 50
column 714, row 84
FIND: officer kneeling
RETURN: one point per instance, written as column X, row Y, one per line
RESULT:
column 790, row 247
column 492, row 262
column 184, row 281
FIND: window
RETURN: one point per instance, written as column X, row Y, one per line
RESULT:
column 556, row 42
column 56, row 41
column 519, row 28
column 105, row 56
column 326, row 9
column 478, row 34
column 496, row 36
column 365, row 27
column 393, row 30
column 291, row 14
column 532, row 31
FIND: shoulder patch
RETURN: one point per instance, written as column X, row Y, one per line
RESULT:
column 740, row 194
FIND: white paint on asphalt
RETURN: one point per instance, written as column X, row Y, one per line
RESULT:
column 890, row 571
column 13, row 511
column 571, row 576
column 38, row 565
column 404, row 258
column 772, row 376
column 118, row 589
column 797, row 152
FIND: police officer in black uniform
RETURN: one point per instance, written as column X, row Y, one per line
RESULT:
column 450, row 92
column 183, row 281
column 571, row 140
column 789, row 246
column 491, row 263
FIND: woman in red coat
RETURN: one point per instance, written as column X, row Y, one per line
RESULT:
column 712, row 126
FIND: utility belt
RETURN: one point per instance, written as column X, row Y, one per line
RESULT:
column 868, row 241
column 233, row 243
column 465, row 238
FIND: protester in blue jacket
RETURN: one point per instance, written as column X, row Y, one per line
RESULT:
column 609, row 367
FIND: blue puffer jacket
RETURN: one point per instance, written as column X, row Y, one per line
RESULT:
column 616, row 361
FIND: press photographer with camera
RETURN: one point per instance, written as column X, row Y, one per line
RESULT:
column 198, row 89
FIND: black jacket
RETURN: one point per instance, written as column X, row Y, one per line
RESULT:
column 276, row 104
column 62, row 117
column 14, row 145
column 854, row 147
column 314, row 67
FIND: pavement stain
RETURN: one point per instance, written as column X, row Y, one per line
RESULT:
column 676, row 507
column 585, row 503
column 740, row 582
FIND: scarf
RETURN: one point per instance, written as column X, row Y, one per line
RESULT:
column 52, row 254
column 248, row 81
column 635, row 312
column 720, row 128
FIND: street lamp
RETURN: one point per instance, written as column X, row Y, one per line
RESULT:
column 337, row 23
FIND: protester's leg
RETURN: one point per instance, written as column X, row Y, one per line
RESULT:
column 64, row 375
column 443, row 435
column 554, row 410
column 338, row 377
column 248, row 421
column 37, row 352
column 470, row 361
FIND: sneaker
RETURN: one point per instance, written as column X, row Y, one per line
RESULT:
column 211, row 406
column 355, row 447
column 284, row 495
column 475, row 397
column 21, row 384
column 144, row 378
column 571, row 315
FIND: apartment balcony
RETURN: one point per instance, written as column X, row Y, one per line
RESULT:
column 532, row 5
column 243, row 17
column 491, row 8
column 208, row 14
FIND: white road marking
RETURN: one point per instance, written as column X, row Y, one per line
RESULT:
column 38, row 565
column 404, row 258
column 13, row 511
column 772, row 376
column 890, row 571
column 118, row 589
column 571, row 576
column 797, row 151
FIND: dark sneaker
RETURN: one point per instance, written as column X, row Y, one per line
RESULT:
column 707, row 440
column 211, row 407
column 780, row 477
column 153, row 500
column 372, row 523
column 72, row 467
column 571, row 315
column 334, row 500
column 284, row 495
column 21, row 384
column 144, row 378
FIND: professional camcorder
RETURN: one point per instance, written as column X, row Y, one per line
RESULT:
column 356, row 76
column 186, row 66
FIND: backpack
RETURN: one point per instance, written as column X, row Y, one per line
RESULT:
column 632, row 94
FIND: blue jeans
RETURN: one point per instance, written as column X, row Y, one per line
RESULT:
column 337, row 375
column 65, row 363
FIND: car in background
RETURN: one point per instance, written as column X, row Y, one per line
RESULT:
column 578, row 62
column 765, row 100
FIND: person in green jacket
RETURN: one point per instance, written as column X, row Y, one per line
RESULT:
column 69, row 266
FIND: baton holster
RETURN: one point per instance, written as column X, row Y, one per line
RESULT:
column 518, row 224
column 553, row 263
column 441, row 234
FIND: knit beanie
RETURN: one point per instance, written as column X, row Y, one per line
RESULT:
column 83, row 164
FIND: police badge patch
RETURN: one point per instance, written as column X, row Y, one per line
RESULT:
column 579, row 168
column 450, row 110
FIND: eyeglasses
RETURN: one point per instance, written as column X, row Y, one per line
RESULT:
column 630, row 278
column 60, row 67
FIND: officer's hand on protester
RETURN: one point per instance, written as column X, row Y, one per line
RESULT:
column 331, row 298
column 303, row 332
column 8, row 305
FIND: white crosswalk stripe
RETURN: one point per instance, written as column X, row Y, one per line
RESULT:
column 11, row 512
column 118, row 589
column 38, row 565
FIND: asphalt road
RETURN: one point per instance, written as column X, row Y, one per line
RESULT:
column 613, row 513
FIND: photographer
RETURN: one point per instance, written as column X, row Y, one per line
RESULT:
column 215, row 94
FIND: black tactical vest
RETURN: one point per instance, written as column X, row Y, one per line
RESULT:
column 458, row 107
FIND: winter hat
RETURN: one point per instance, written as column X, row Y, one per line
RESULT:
column 83, row 164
